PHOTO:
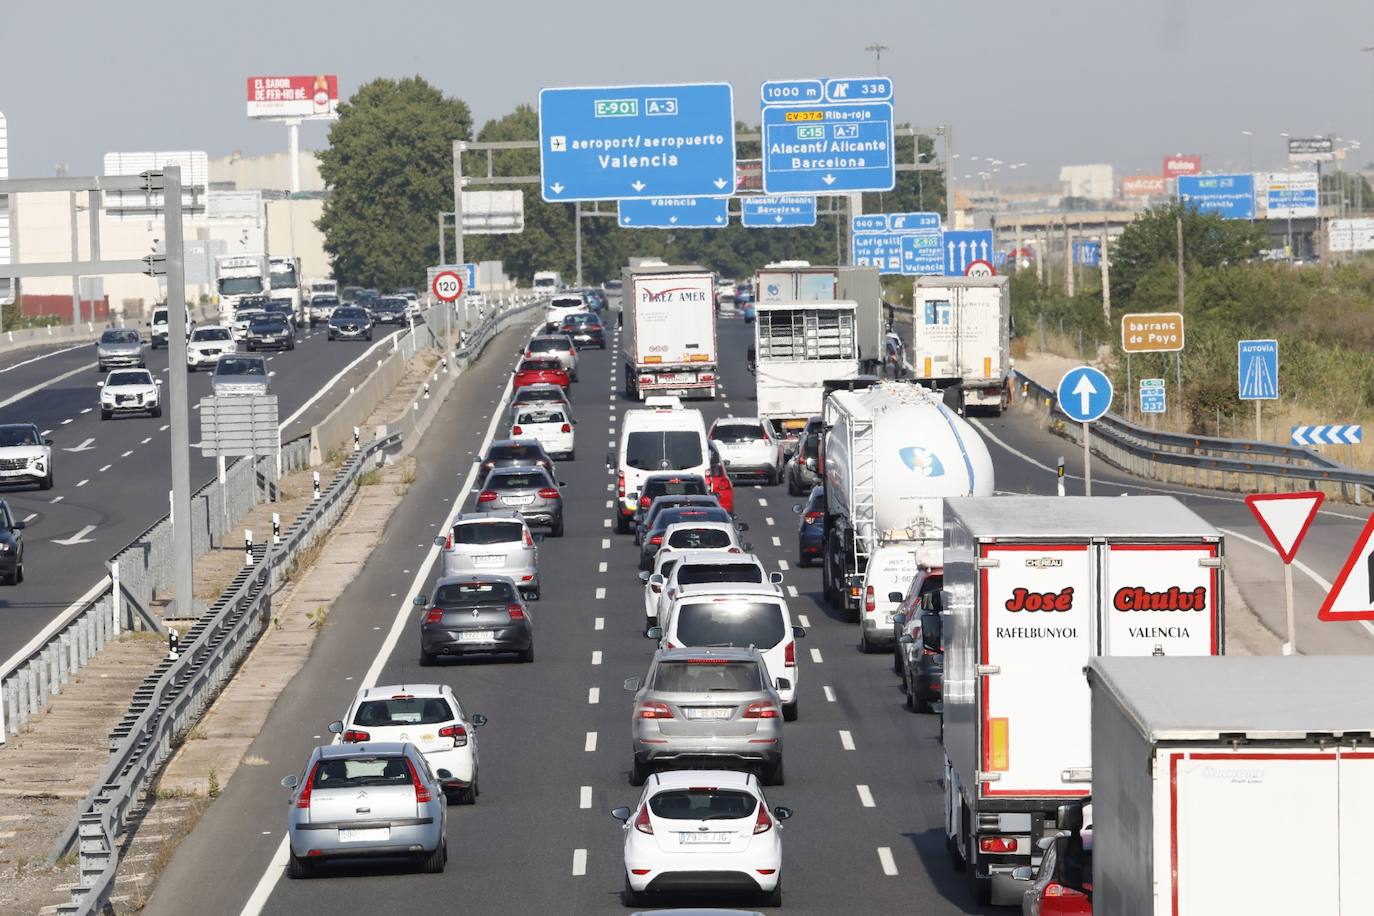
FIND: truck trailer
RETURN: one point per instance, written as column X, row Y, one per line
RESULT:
column 1035, row 587
column 798, row 347
column 799, row 281
column 669, row 340
column 961, row 339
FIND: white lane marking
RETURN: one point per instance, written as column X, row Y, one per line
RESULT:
column 829, row 694
column 605, row 523
column 66, row 421
column 610, row 487
column 777, row 541
column 593, row 695
column 579, row 863
column 146, row 441
column 330, row 384
column 45, row 356
column 865, row 796
column 610, row 444
column 590, row 744
column 601, row 593
column 782, row 564
column 30, row 517
column 804, row 620
column 596, row 656
column 846, row 740
column 610, row 504
column 769, row 521
column 584, row 797
column 599, row 623
column 41, row 385
column 605, row 543
column 163, row 428
column 57, row 499
column 127, row 454
column 816, row 656
column 83, row 483
column 727, row 405
column 86, row 410
column 792, row 591
column 46, row 432
column 105, row 468
column 763, row 501
column 888, row 863
column 601, row 567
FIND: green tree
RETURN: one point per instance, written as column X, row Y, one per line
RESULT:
column 1151, row 241
column 389, row 170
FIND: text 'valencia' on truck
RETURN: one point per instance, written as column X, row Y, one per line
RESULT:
column 961, row 339
column 669, row 339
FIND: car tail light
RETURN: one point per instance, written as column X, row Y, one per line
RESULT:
column 422, row 793
column 620, row 483
column 516, row 431
column 642, row 823
column 1053, row 889
column 565, row 428
column 458, row 733
column 997, row 844
column 549, row 493
column 813, row 517
column 516, row 612
column 869, row 604
column 789, row 656
column 656, row 540
column 448, row 541
column 734, row 550
column 761, row 709
column 668, row 645
column 763, row 823
column 927, row 650
column 303, row 799
column 652, row 710
column 644, row 502
column 656, row 589
column 356, row 736
column 435, row 615
column 488, row 465
column 486, row 496
column 529, row 539
column 529, row 354
column 707, row 377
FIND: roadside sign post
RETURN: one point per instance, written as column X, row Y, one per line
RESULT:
column 1084, row 395
column 447, row 286
column 1152, row 397
column 1285, row 518
column 1257, row 374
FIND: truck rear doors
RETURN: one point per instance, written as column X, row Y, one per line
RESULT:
column 959, row 333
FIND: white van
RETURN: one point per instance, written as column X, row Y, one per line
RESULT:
column 739, row 614
column 550, row 424
column 547, row 281
column 653, row 440
column 161, row 321
column 886, row 580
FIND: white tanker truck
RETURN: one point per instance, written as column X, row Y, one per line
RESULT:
column 893, row 452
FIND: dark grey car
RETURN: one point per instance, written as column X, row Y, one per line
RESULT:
column 513, row 453
column 270, row 332
column 390, row 310
column 350, row 323
column 803, row 468
column 474, row 615
column 119, row 348
column 653, row 535
column 529, row 491
column 644, row 518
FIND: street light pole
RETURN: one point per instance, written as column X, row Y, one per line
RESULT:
column 877, row 50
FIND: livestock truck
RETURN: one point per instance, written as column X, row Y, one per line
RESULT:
column 798, row 347
column 669, row 340
column 1232, row 785
column 893, row 452
column 1034, row 588
column 799, row 281
column 961, row 339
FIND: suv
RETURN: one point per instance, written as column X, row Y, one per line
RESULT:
column 704, row 707
column 748, row 447
column 239, row 375
column 160, row 323
column 492, row 543
column 119, row 348
column 685, row 569
column 25, row 455
column 11, row 547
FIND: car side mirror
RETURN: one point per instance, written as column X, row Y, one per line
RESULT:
column 747, row 547
column 290, row 782
column 799, row 632
column 654, row 633
column 894, row 596
column 562, row 484
column 742, row 526
column 478, row 719
column 335, row 727
column 420, row 600
column 796, row 510
column 621, row 814
column 443, row 773
column 1023, row 873
column 47, row 442
column 782, row 812
column 157, row 381
column 440, row 542
column 657, row 579
column 775, row 578
column 899, row 619
column 643, row 576
column 18, row 526
column 632, row 683
column 100, row 384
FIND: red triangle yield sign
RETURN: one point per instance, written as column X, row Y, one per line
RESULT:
column 1350, row 597
column 1285, row 518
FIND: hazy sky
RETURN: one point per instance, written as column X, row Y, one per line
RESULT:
column 1047, row 82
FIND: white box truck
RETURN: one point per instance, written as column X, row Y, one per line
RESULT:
column 669, row 340
column 285, row 279
column 798, row 347
column 1232, row 785
column 237, row 276
column 961, row 339
column 899, row 439
column 1035, row 587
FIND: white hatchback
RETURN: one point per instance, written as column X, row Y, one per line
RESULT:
column 428, row 716
column 684, row 570
column 702, row 830
column 552, row 426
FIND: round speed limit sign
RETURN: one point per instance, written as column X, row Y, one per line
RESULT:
column 447, row 286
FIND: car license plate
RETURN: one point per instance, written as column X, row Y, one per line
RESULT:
column 693, row 839
column 488, row 561
column 722, row 712
column 475, row 636
column 364, row 834
column 519, row 500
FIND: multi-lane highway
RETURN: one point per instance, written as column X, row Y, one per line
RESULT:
column 111, row 476
column 862, row 773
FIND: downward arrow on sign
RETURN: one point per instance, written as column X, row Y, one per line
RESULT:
column 78, row 538
column 720, row 183
column 556, row 188
column 638, row 186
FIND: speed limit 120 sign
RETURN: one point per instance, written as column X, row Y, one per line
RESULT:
column 447, row 286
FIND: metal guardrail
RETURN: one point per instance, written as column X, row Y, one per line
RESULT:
column 1202, row 461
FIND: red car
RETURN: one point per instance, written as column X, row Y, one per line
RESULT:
column 718, row 483
column 539, row 371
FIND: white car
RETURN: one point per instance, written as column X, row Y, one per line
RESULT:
column 551, row 425
column 739, row 614
column 677, row 572
column 554, row 346
column 698, row 830
column 25, row 455
column 207, row 345
column 428, row 716
column 130, row 391
column 748, row 448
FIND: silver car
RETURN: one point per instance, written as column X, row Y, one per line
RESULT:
column 748, row 448
column 540, row 395
column 239, row 375
column 496, row 543
column 706, row 708
column 530, row 491
column 554, row 346
column 119, row 348
column 366, row 800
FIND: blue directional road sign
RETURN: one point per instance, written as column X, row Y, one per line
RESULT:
column 963, row 247
column 1084, row 394
column 1257, row 370
column 1152, row 398
column 777, row 211
column 913, row 222
column 868, row 222
column 883, row 251
column 675, row 213
column 1347, row 434
column 828, row 136
column 923, row 254
column 1087, row 253
column 624, row 142
column 1230, row 196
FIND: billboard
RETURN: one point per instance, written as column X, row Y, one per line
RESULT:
column 1228, row 196
column 1174, row 166
column 309, row 97
column 1311, row 149
column 1290, row 195
column 1350, row 235
column 1142, row 185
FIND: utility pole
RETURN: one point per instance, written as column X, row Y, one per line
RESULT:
column 176, row 396
column 1179, row 245
column 1106, row 278
column 877, row 50
column 457, row 229
column 1068, row 259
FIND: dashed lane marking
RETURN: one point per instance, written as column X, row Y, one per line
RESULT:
column 846, row 740
column 83, row 483
column 886, row 860
column 777, row 541
column 593, row 695
column 804, row 621
column 605, row 523
column 829, row 694
column 584, row 799
column 782, row 564
column 590, row 744
column 599, row 623
column 768, row 520
column 816, row 656
column 596, row 656
column 601, row 593
column 792, row 591
column 606, row 542
column 580, row 863
column 127, row 454
column 763, row 501
column 601, row 567
column 865, row 796
column 66, row 421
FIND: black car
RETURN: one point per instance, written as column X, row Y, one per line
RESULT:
column 474, row 615
column 270, row 333
column 281, row 308
column 11, row 547
column 644, row 518
column 585, row 330
column 919, row 655
column 389, row 310
column 652, row 537
column 671, row 484
column 349, row 322
column 516, row 453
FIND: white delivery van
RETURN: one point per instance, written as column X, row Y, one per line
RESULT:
column 654, row 439
column 547, row 281
column 887, row 577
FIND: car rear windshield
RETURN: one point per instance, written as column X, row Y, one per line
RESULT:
column 268, row 326
column 240, row 365
column 483, row 592
column 702, row 804
column 539, row 365
column 738, row 432
column 699, row 539
column 699, row 573
column 663, row 450
column 708, row 676
column 356, row 772
column 403, row 711
column 730, row 623
column 540, row 416
column 488, row 532
column 811, row 445
column 697, row 513
column 517, row 481
column 675, row 486
column 547, row 345
column 528, row 453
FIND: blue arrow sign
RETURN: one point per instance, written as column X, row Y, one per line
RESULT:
column 675, row 213
column 1087, row 253
column 1152, row 399
column 1257, row 370
column 1348, row 434
column 1084, row 394
column 963, row 247
column 923, row 254
column 623, row 142
column 839, row 142
column 883, row 251
column 777, row 211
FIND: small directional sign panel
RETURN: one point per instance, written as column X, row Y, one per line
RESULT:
column 675, row 213
column 963, row 247
column 627, row 142
column 772, row 211
column 828, row 136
